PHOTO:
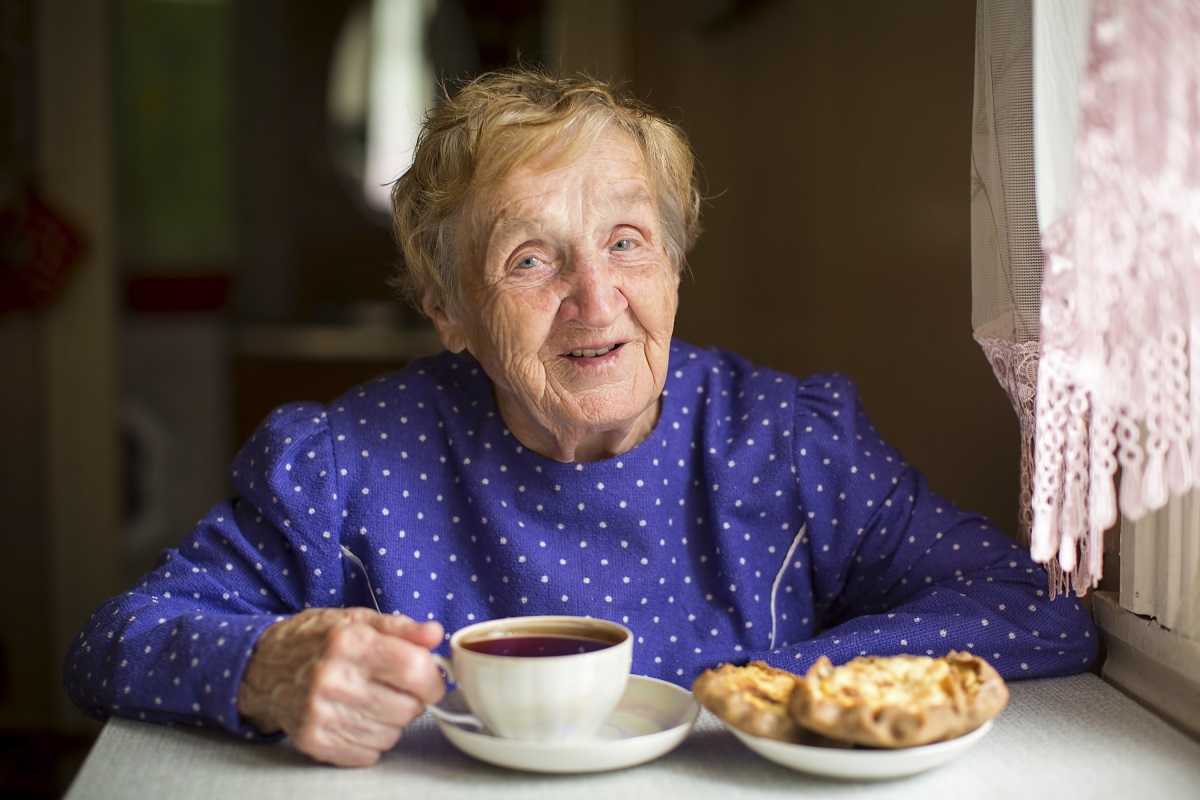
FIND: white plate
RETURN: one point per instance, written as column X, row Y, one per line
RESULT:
column 832, row 762
column 652, row 719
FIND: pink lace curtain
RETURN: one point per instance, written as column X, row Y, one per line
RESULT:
column 1119, row 373
column 1117, row 395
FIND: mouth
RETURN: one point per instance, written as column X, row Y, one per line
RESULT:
column 590, row 353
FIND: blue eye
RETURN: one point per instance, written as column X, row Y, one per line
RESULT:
column 623, row 244
column 529, row 263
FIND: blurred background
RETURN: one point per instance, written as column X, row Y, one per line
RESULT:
column 191, row 232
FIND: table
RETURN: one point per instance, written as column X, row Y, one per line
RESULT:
column 1060, row 739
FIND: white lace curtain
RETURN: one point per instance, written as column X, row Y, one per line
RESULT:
column 1086, row 258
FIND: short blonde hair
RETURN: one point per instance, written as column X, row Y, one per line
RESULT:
column 493, row 125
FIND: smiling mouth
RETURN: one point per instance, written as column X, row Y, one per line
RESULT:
column 593, row 353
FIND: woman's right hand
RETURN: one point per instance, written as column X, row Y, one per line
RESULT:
column 342, row 683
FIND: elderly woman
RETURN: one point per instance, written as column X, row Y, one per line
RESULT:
column 564, row 455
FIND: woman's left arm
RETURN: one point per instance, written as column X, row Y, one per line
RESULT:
column 899, row 569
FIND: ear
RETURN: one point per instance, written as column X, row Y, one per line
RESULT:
column 450, row 329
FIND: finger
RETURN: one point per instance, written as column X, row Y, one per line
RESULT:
column 389, row 713
column 407, row 667
column 349, row 721
column 426, row 634
column 332, row 745
column 387, row 658
column 337, row 754
column 375, row 724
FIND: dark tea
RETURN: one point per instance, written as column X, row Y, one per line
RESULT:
column 536, row 646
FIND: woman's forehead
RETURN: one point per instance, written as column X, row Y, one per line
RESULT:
column 611, row 168
column 628, row 200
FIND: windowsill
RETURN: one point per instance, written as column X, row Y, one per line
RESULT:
column 1153, row 665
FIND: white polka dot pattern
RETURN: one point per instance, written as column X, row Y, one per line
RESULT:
column 763, row 518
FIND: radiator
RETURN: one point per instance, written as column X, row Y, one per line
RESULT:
column 1160, row 565
column 1151, row 627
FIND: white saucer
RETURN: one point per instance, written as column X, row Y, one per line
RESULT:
column 832, row 762
column 652, row 719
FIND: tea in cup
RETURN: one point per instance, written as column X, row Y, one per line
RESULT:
column 543, row 678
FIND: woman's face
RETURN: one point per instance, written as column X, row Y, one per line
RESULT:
column 570, row 301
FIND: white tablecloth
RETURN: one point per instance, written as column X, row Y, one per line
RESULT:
column 1068, row 739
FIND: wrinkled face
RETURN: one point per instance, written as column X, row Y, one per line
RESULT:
column 570, row 301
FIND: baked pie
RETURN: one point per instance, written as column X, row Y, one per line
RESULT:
column 871, row 701
column 753, row 698
column 898, row 701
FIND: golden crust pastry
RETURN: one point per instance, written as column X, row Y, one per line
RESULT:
column 753, row 698
column 897, row 701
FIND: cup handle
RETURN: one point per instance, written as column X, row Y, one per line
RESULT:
column 455, row 717
column 447, row 668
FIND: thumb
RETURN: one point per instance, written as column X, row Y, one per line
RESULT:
column 425, row 634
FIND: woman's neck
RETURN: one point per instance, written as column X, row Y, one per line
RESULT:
column 574, row 444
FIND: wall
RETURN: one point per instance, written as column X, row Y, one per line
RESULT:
column 835, row 138
column 58, row 399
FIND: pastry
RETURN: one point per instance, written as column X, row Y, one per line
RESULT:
column 753, row 698
column 897, row 701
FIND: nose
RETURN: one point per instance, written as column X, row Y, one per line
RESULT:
column 593, row 294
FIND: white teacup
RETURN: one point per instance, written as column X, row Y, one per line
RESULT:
column 541, row 679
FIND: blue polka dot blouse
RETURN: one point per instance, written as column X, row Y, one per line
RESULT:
column 763, row 518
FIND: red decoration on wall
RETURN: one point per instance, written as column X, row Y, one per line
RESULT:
column 39, row 252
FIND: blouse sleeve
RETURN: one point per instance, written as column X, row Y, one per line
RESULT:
column 896, row 568
column 174, row 648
